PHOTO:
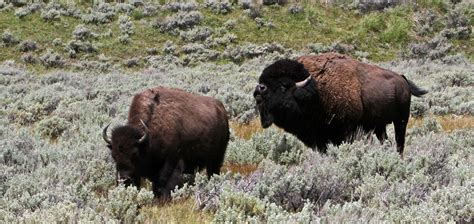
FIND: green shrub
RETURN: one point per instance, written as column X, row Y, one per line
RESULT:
column 52, row 127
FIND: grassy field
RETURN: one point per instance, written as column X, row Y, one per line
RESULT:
column 383, row 35
column 90, row 60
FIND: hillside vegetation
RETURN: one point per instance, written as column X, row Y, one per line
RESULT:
column 66, row 71
column 64, row 35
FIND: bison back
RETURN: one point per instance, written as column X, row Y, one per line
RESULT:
column 338, row 86
column 182, row 124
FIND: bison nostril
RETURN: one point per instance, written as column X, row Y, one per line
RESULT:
column 260, row 89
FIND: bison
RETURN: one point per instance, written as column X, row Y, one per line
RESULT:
column 169, row 132
column 329, row 97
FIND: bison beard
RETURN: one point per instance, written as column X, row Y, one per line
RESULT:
column 328, row 98
column 169, row 133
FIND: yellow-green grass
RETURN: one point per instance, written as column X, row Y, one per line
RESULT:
column 185, row 211
column 246, row 130
column 175, row 212
column 382, row 34
column 448, row 123
column 243, row 169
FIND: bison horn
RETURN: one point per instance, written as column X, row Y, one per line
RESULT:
column 104, row 135
column 303, row 83
column 145, row 136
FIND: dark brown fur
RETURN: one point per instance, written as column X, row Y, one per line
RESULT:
column 342, row 96
column 186, row 133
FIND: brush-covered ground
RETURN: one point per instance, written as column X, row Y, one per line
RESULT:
column 67, row 70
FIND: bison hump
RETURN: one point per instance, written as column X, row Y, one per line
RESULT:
column 338, row 85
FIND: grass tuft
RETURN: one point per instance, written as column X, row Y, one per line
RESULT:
column 238, row 168
column 175, row 212
column 245, row 131
column 448, row 123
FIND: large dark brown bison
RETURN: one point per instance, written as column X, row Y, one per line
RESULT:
column 327, row 98
column 169, row 132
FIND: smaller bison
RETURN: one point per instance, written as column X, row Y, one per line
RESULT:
column 328, row 98
column 169, row 132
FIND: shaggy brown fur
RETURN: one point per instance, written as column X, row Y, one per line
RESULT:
column 342, row 96
column 335, row 76
column 186, row 132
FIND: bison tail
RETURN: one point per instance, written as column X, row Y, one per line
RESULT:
column 415, row 90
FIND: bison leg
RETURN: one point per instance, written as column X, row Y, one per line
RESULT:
column 176, row 179
column 214, row 167
column 400, row 129
column 381, row 133
column 169, row 176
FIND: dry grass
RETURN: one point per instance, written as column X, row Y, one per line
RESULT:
column 237, row 168
column 246, row 131
column 448, row 122
column 176, row 212
column 185, row 211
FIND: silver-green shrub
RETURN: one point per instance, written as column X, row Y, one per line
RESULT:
column 249, row 50
column 28, row 58
column 81, row 41
column 262, row 22
column 196, row 34
column 126, row 29
column 51, row 59
column 180, row 20
column 26, row 10
column 436, row 48
column 364, row 181
column 123, row 203
column 124, row 8
column 253, row 10
column 335, row 47
column 180, row 6
column 4, row 6
column 28, row 45
column 230, row 24
column 99, row 14
column 218, row 7
column 457, row 23
column 8, row 39
column 52, row 127
column 425, row 22
column 295, row 9
column 169, row 48
column 52, row 11
column 81, row 32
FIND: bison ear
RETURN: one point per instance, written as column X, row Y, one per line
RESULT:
column 306, row 92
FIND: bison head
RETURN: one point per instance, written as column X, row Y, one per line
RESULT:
column 284, row 87
column 127, row 145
